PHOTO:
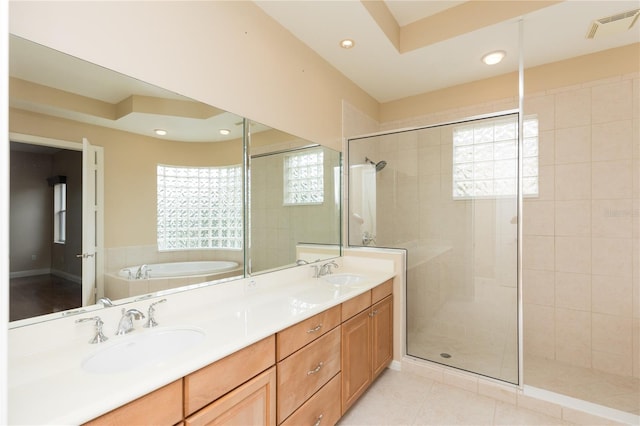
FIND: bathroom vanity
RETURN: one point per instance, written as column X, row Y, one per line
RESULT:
column 283, row 348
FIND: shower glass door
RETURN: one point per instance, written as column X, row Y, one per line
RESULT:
column 448, row 194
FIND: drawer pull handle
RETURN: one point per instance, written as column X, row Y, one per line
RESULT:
column 315, row 370
column 318, row 420
column 315, row 329
column 374, row 313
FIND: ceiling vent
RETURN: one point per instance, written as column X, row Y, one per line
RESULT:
column 613, row 24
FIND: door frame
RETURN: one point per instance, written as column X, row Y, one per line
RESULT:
column 78, row 146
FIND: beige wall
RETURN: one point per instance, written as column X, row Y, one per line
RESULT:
column 236, row 56
column 130, row 169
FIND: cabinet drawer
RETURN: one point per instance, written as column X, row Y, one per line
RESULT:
column 303, row 373
column 161, row 407
column 323, row 408
column 356, row 305
column 250, row 404
column 380, row 292
column 215, row 380
column 293, row 338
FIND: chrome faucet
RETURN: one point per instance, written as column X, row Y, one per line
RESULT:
column 151, row 321
column 126, row 322
column 106, row 302
column 142, row 272
column 325, row 269
column 368, row 239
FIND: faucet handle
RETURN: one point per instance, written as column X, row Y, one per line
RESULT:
column 99, row 337
column 151, row 321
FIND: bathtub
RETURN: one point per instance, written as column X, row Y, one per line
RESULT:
column 165, row 276
column 181, row 269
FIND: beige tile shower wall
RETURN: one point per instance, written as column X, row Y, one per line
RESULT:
column 276, row 229
column 581, row 244
column 581, row 274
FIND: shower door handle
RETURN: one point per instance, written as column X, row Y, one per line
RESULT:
column 85, row 255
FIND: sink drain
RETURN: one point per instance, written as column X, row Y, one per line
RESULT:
column 445, row 355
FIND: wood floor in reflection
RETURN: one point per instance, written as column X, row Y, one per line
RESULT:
column 42, row 294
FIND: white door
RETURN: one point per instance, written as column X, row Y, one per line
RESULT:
column 92, row 220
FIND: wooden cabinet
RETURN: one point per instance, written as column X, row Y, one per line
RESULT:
column 298, row 335
column 367, row 344
column 211, row 382
column 381, row 336
column 323, row 408
column 356, row 358
column 306, row 371
column 160, row 407
column 252, row 403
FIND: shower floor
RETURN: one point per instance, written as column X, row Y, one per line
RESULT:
column 474, row 333
column 613, row 391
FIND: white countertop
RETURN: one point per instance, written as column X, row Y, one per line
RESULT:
column 47, row 384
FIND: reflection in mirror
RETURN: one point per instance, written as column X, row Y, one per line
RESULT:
column 172, row 205
column 294, row 201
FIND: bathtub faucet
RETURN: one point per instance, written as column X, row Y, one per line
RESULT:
column 143, row 272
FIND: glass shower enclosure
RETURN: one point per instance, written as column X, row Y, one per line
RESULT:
column 448, row 194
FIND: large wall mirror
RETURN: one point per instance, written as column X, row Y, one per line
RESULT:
column 133, row 213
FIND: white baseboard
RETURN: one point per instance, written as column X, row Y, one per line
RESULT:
column 395, row 365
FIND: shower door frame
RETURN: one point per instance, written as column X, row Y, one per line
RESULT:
column 519, row 240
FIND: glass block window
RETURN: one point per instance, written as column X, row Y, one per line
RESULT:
column 199, row 208
column 485, row 158
column 304, row 178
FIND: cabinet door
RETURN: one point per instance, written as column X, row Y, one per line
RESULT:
column 253, row 403
column 381, row 335
column 160, row 407
column 356, row 358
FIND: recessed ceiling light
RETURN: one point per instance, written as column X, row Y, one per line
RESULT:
column 225, row 132
column 347, row 43
column 160, row 132
column 493, row 58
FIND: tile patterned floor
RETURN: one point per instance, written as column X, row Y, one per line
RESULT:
column 400, row 398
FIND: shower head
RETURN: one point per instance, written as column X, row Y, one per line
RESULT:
column 379, row 165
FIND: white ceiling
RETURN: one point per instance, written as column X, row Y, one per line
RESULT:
column 550, row 34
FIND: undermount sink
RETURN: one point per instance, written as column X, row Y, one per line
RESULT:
column 344, row 279
column 142, row 349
